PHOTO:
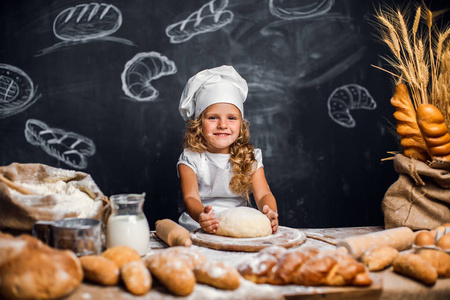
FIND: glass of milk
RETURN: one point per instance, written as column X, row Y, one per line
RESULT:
column 127, row 224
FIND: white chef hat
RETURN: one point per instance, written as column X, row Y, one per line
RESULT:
column 217, row 85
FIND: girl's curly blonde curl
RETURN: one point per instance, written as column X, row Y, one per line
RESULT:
column 241, row 151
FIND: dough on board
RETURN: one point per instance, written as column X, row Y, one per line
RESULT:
column 243, row 222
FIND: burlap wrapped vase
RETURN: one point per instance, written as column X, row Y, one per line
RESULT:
column 420, row 198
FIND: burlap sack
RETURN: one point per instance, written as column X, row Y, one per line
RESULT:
column 420, row 198
column 20, row 212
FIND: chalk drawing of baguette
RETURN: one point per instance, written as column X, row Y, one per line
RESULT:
column 68, row 147
column 210, row 17
column 17, row 91
column 141, row 70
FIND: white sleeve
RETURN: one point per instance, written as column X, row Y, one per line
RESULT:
column 259, row 159
column 190, row 159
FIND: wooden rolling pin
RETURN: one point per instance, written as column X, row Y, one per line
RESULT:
column 172, row 233
column 400, row 238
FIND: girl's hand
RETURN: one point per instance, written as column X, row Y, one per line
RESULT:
column 208, row 221
column 273, row 217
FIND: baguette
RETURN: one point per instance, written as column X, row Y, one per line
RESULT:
column 416, row 267
column 172, row 272
column 407, row 128
column 136, row 277
column 218, row 275
column 438, row 259
column 434, row 131
column 121, row 255
column 379, row 258
column 100, row 270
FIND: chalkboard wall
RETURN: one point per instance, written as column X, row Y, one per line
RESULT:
column 104, row 79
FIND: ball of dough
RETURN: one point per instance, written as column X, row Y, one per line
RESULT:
column 243, row 222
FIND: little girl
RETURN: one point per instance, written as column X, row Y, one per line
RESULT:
column 218, row 167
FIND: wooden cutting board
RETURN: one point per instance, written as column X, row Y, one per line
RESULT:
column 285, row 237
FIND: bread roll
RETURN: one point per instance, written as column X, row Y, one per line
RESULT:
column 121, row 255
column 32, row 270
column 136, row 277
column 407, row 128
column 438, row 259
column 416, row 267
column 189, row 256
column 172, row 272
column 218, row 275
column 379, row 258
column 100, row 270
column 434, row 131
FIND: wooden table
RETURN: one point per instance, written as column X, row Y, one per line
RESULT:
column 386, row 284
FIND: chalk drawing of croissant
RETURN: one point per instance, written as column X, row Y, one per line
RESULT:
column 86, row 22
column 68, row 147
column 17, row 91
column 141, row 70
column 210, row 17
column 299, row 9
column 346, row 98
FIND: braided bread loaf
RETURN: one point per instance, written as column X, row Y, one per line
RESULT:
column 305, row 266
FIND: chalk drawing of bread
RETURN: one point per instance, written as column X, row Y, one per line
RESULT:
column 17, row 91
column 68, row 147
column 87, row 21
column 210, row 17
column 346, row 98
column 299, row 9
column 141, row 70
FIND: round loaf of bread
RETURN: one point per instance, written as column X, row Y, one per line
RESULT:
column 243, row 222
column 36, row 271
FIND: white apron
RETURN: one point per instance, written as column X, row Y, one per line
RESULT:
column 213, row 172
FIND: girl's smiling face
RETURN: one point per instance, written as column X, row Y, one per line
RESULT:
column 221, row 123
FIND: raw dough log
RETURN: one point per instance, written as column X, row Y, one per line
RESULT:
column 407, row 128
column 243, row 222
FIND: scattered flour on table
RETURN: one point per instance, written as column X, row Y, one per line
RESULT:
column 69, row 199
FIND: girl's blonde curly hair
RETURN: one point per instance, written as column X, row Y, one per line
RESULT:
column 241, row 154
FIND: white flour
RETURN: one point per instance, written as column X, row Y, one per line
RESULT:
column 65, row 199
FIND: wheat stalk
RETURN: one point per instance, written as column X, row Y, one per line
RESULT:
column 421, row 56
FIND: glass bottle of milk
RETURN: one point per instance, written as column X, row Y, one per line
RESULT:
column 127, row 224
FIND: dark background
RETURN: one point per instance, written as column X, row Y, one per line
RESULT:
column 322, row 174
